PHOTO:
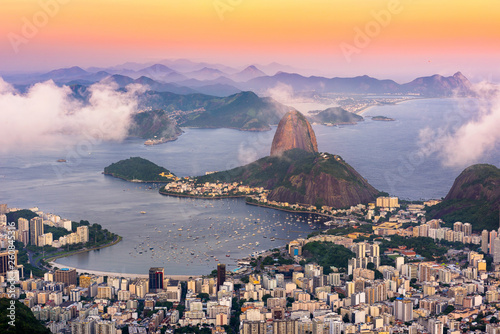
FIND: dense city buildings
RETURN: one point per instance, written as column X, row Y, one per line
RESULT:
column 383, row 286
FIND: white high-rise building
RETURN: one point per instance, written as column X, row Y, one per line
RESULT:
column 83, row 233
column 496, row 250
column 484, row 241
column 399, row 263
column 435, row 326
column 493, row 235
column 403, row 310
column 467, row 229
column 336, row 327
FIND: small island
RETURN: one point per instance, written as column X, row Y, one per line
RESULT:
column 334, row 116
column 136, row 169
column 382, row 118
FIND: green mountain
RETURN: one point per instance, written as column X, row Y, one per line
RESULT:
column 155, row 125
column 298, row 176
column 335, row 115
column 473, row 198
column 24, row 213
column 243, row 111
column 138, row 170
column 25, row 321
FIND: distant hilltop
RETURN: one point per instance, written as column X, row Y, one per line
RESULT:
column 136, row 169
column 473, row 198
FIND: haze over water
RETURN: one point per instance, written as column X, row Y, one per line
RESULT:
column 380, row 151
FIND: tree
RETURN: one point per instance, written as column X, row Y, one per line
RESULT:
column 449, row 309
column 204, row 297
column 378, row 274
column 265, row 298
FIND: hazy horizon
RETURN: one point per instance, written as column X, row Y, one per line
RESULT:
column 392, row 39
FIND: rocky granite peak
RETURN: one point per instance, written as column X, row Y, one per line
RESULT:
column 294, row 131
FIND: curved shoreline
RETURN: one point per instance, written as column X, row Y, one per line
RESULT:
column 365, row 109
column 133, row 181
column 130, row 275
column 291, row 211
column 52, row 259
column 200, row 197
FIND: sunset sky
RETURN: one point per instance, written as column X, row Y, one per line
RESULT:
column 418, row 37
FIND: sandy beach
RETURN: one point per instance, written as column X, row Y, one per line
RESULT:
column 125, row 275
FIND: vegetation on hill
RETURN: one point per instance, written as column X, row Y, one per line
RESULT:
column 25, row 321
column 139, row 170
column 298, row 176
column 427, row 247
column 272, row 171
column 244, row 110
column 57, row 232
column 327, row 254
column 479, row 213
column 154, row 124
column 24, row 213
column 474, row 198
column 335, row 115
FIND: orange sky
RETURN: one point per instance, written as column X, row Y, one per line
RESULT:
column 419, row 37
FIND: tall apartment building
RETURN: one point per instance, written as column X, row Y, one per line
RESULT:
column 253, row 327
column 4, row 262
column 403, row 310
column 66, row 276
column 105, row 327
column 156, row 278
column 221, row 275
column 36, row 229
column 387, row 202
column 484, row 241
column 83, row 233
column 467, row 229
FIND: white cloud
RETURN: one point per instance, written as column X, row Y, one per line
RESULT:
column 47, row 114
column 470, row 141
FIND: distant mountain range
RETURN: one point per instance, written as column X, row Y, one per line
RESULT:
column 206, row 95
column 187, row 77
column 163, row 111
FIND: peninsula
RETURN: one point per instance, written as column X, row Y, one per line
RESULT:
column 136, row 169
